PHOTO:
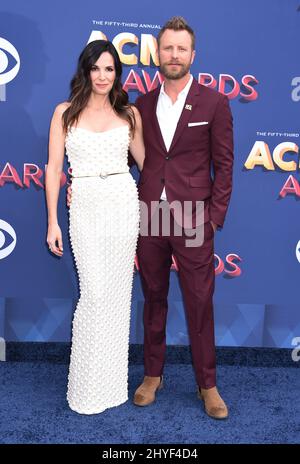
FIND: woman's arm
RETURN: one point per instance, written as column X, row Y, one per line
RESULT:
column 53, row 176
column 137, row 147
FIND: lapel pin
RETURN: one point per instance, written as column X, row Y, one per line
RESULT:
column 188, row 107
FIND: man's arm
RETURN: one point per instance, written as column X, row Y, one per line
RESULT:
column 222, row 160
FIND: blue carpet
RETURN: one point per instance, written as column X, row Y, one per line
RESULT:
column 263, row 402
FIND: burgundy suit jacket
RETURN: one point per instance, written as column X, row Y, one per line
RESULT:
column 198, row 165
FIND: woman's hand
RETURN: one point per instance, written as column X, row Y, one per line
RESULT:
column 54, row 235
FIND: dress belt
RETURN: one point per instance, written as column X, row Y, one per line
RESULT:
column 104, row 175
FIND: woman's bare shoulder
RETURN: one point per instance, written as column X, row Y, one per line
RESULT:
column 62, row 107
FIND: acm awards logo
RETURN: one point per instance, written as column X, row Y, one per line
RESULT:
column 261, row 156
column 143, row 53
column 8, row 53
column 279, row 159
column 6, row 229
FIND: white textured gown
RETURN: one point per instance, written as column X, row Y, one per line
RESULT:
column 103, row 227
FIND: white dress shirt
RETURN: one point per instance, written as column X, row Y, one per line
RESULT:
column 168, row 114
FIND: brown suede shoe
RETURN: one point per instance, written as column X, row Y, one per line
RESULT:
column 214, row 406
column 145, row 394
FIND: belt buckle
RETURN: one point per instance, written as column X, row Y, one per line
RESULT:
column 103, row 175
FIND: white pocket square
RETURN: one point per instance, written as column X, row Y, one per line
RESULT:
column 201, row 123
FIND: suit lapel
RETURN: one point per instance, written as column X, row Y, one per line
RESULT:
column 157, row 131
column 187, row 112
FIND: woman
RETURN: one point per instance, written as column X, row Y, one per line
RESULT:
column 98, row 126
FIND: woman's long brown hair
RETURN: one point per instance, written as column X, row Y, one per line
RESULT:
column 81, row 85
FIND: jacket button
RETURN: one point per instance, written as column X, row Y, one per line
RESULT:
column 167, row 157
column 162, row 180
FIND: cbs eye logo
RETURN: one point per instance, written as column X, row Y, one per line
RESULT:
column 8, row 56
column 6, row 231
column 298, row 251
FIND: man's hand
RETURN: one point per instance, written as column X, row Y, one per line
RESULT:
column 214, row 226
column 69, row 195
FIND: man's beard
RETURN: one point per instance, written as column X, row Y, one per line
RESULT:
column 177, row 74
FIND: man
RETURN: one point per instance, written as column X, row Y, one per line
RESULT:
column 187, row 127
column 187, row 131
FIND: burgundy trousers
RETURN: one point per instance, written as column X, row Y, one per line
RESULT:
column 197, row 280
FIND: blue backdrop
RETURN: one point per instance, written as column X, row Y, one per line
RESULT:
column 248, row 51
